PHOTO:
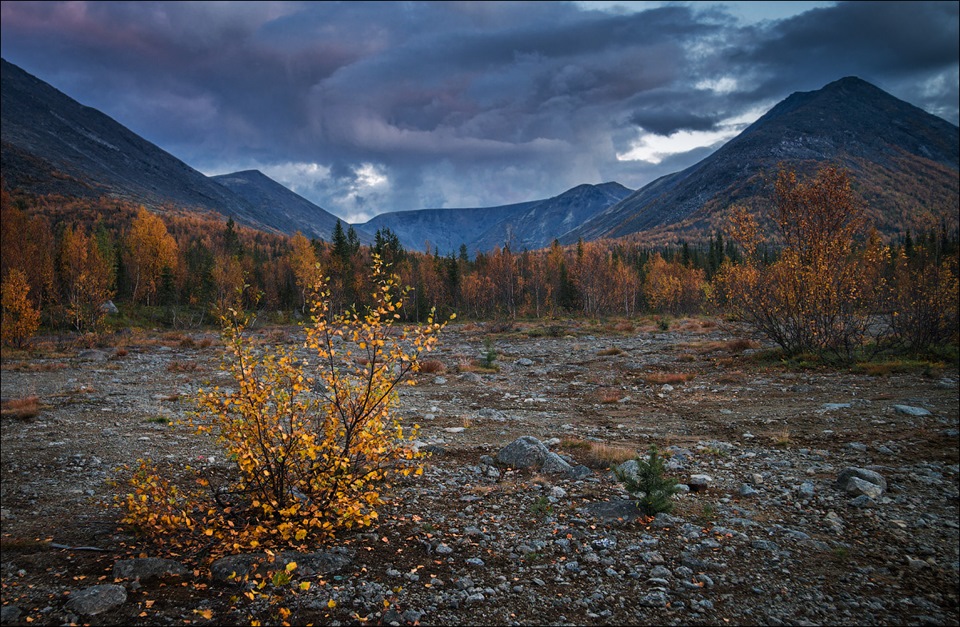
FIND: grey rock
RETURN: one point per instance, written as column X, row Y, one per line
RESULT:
column 661, row 572
column 620, row 509
column 699, row 482
column 657, row 598
column 524, row 452
column 553, row 464
column 807, row 489
column 9, row 614
column 523, row 361
column 843, row 479
column 579, row 472
column 109, row 308
column 863, row 501
column 747, row 490
column 627, row 469
column 143, row 569
column 858, row 487
column 910, row 410
column 226, row 568
column 835, row 406
column 97, row 599
column 327, row 562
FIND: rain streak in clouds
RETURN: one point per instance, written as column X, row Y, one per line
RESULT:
column 371, row 107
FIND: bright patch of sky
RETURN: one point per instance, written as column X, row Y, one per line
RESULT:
column 653, row 148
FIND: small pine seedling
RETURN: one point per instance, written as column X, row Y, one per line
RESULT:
column 654, row 489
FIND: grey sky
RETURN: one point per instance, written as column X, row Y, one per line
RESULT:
column 371, row 107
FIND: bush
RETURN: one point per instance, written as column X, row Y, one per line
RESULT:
column 653, row 488
column 820, row 294
column 309, row 442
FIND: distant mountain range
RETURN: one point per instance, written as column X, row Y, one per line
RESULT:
column 528, row 225
column 904, row 162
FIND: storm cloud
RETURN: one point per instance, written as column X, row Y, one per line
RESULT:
column 370, row 107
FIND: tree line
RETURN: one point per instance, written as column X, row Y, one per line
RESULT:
column 62, row 259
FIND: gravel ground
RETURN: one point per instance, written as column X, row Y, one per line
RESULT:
column 765, row 534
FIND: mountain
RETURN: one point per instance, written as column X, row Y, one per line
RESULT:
column 903, row 162
column 529, row 225
column 53, row 144
column 548, row 219
column 284, row 206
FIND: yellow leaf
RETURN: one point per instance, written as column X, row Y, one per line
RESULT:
column 331, row 604
column 291, row 567
column 305, row 585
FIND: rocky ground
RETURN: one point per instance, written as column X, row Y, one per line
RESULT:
column 764, row 534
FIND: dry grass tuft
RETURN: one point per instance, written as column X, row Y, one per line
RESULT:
column 597, row 454
column 608, row 352
column 739, row 345
column 610, row 395
column 432, row 366
column 183, row 366
column 205, row 343
column 21, row 408
column 673, row 378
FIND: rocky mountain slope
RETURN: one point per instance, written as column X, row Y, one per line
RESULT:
column 283, row 205
column 904, row 163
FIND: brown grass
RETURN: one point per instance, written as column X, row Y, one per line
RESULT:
column 673, row 378
column 597, row 454
column 205, row 343
column 610, row 395
column 32, row 366
column 609, row 352
column 183, row 366
column 739, row 345
column 432, row 366
column 21, row 408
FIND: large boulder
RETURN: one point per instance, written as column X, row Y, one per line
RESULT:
column 523, row 453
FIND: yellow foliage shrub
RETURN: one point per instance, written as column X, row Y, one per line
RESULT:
column 310, row 439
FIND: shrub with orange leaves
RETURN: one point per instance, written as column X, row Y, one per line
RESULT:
column 310, row 440
column 820, row 295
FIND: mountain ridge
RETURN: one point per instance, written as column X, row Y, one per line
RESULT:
column 849, row 122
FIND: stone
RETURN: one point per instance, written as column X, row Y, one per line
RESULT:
column 555, row 465
column 848, row 474
column 9, row 614
column 226, row 568
column 97, row 599
column 145, row 568
column 523, row 361
column 621, row 509
column 109, row 308
column 327, row 562
column 911, row 411
column 524, row 452
column 657, row 598
column 858, row 487
column 748, row 490
column 700, row 482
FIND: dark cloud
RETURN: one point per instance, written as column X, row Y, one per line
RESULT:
column 364, row 107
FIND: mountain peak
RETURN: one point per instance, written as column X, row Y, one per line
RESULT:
column 888, row 145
